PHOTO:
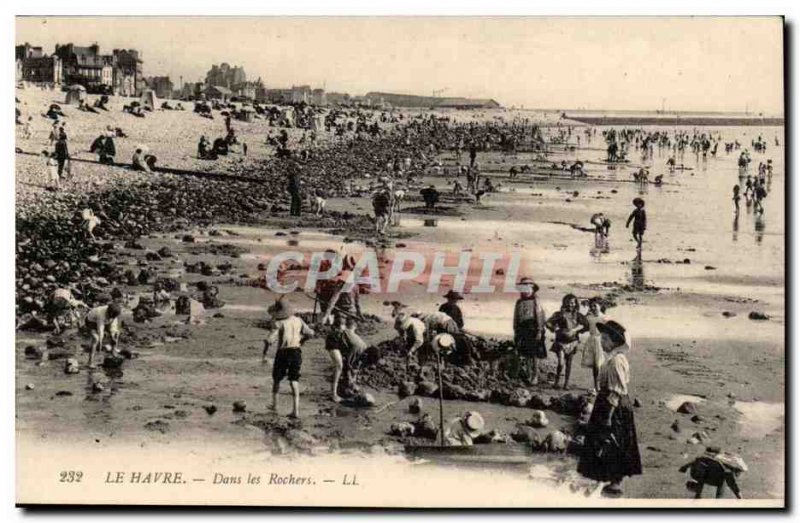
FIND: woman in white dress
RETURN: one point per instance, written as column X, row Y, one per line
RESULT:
column 593, row 355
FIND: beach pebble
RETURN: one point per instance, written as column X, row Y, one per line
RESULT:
column 688, row 407
column 697, row 419
column 728, row 314
column 637, row 403
column 402, row 429
column 239, row 406
column 676, row 426
column 210, row 409
column 71, row 366
column 755, row 315
column 29, row 386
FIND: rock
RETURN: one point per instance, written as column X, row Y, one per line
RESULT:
column 453, row 392
column 426, row 388
column 157, row 425
column 526, row 434
column 697, row 419
column 364, row 399
column 35, row 353
column 728, row 314
column 29, row 386
column 676, row 426
column 98, row 387
column 538, row 402
column 406, row 388
column 538, row 419
column 165, row 252
column 569, row 404
column 113, row 361
column 556, row 441
column 415, row 406
column 188, row 238
column 493, row 436
column 687, row 261
column 637, row 403
column 239, row 406
column 402, row 429
column 152, row 256
column 426, row 428
column 698, row 437
column 71, row 366
column 63, row 393
column 758, row 316
column 262, row 267
column 55, row 341
column 710, row 268
column 520, row 398
column 210, row 409
column 688, row 407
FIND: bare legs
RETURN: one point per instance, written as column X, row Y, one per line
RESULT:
column 338, row 365
column 295, row 397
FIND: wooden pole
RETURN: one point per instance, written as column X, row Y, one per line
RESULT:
column 441, row 397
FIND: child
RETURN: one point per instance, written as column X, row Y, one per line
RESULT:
column 736, row 197
column 639, row 219
column 52, row 168
column 288, row 334
column 97, row 321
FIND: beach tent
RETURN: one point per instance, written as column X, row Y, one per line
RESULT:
column 149, row 100
column 246, row 114
column 76, row 94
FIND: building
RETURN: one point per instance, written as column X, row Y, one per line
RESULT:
column 338, row 99
column 218, row 92
column 26, row 50
column 127, row 78
column 410, row 100
column 192, row 90
column 295, row 95
column 224, row 75
column 87, row 67
column 162, row 85
column 43, row 69
column 247, row 89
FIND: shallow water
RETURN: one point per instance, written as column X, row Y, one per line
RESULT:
column 759, row 418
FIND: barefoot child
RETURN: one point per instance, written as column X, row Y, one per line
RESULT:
column 97, row 321
column 639, row 219
column 288, row 335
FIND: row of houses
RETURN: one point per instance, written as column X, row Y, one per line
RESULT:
column 380, row 99
column 119, row 72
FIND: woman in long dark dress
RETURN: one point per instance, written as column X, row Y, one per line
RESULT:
column 611, row 451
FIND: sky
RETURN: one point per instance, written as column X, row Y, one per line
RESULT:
column 690, row 64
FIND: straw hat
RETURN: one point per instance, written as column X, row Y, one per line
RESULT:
column 442, row 343
column 473, row 423
column 614, row 330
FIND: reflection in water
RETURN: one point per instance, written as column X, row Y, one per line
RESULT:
column 760, row 226
column 637, row 272
column 601, row 246
column 736, row 227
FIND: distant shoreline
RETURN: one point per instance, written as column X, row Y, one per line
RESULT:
column 678, row 120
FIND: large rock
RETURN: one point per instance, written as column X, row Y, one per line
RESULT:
column 528, row 435
column 425, row 427
column 406, row 388
column 758, row 316
column 688, row 407
column 402, row 429
column 426, row 388
column 538, row 419
column 520, row 398
column 415, row 406
column 556, row 441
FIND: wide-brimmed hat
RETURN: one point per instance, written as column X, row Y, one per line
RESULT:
column 443, row 342
column 280, row 310
column 453, row 295
column 473, row 423
column 528, row 281
column 613, row 330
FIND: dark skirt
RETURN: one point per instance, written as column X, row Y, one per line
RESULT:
column 606, row 459
column 529, row 345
